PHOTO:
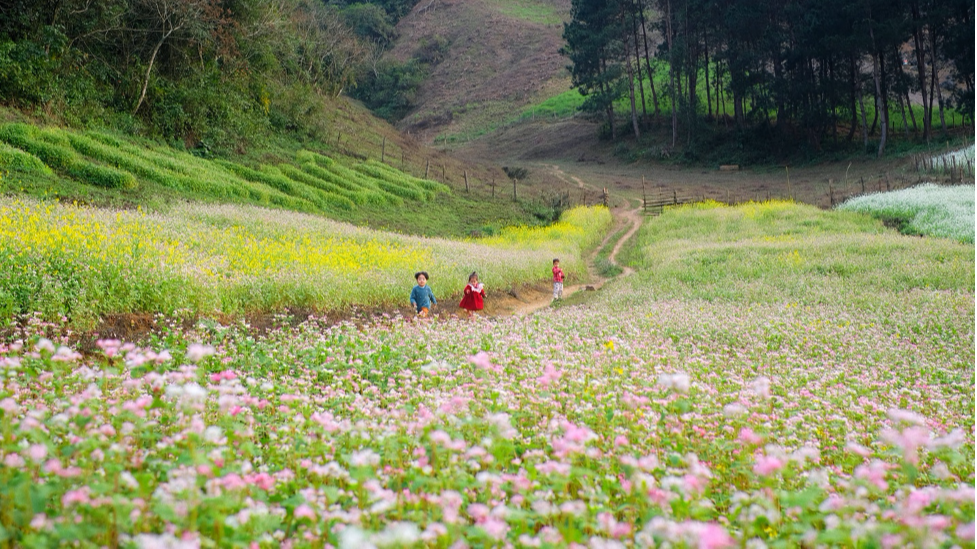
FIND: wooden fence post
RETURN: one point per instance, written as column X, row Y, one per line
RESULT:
column 443, row 178
column 427, row 168
column 831, row 192
column 467, row 188
column 383, row 149
column 644, row 197
column 493, row 187
column 514, row 190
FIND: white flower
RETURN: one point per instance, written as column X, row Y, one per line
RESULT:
column 398, row 534
column 364, row 458
column 196, row 352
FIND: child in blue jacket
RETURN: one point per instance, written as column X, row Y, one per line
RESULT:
column 421, row 297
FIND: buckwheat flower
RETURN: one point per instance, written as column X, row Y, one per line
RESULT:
column 761, row 387
column 44, row 344
column 767, row 465
column 214, row 434
column 352, row 537
column 398, row 534
column 304, row 511
column 495, row 528
column 527, row 541
column 482, row 361
column 433, row 531
column 734, row 410
column 905, row 416
column 874, row 472
column 13, row 461
column 965, row 532
column 857, row 448
column 40, row 522
column 9, row 405
column 478, row 511
column 575, row 507
column 129, row 480
column 64, row 354
column 747, row 436
column 450, row 504
column 37, row 452
column 197, row 352
column 364, row 458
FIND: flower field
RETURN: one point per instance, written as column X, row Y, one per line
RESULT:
column 772, row 376
column 927, row 209
column 81, row 263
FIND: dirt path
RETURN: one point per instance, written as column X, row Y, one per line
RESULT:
column 624, row 216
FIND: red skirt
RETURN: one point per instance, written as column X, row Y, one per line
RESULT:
column 472, row 301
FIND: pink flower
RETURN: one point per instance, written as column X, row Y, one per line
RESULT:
column 9, row 405
column 495, row 528
column 767, row 465
column 747, row 436
column 620, row 440
column 13, row 461
column 478, row 512
column 75, row 496
column 874, row 473
column 713, row 536
column 304, row 511
column 481, row 360
column 37, row 452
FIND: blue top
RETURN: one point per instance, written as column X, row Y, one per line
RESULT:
column 422, row 296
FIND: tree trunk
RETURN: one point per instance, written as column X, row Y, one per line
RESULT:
column 879, row 101
column 637, row 65
column 861, row 102
column 671, row 71
column 705, row 48
column 651, row 72
column 853, row 92
column 149, row 70
column 921, row 69
column 630, row 72
column 938, row 91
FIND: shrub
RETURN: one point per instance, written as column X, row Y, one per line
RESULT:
column 327, row 189
column 64, row 159
column 12, row 158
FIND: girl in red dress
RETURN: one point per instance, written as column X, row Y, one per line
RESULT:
column 474, row 295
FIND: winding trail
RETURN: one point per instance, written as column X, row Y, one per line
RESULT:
column 623, row 216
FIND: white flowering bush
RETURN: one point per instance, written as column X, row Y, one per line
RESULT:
column 825, row 414
column 926, row 209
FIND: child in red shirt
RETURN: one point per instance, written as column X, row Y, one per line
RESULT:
column 557, row 280
column 474, row 295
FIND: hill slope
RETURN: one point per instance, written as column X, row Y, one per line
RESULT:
column 500, row 55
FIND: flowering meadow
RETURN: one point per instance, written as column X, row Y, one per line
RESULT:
column 80, row 263
column 772, row 376
column 926, row 209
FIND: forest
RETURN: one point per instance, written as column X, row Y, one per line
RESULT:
column 815, row 69
column 205, row 73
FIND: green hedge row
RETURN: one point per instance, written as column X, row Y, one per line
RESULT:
column 52, row 151
column 12, row 158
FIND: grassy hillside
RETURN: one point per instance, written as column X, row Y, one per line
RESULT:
column 496, row 57
column 343, row 179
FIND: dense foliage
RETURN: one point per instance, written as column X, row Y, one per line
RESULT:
column 804, row 67
column 210, row 73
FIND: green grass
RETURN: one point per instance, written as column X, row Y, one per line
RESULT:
column 528, row 10
column 105, row 169
column 62, row 158
column 776, row 251
column 926, row 209
column 602, row 261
